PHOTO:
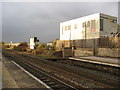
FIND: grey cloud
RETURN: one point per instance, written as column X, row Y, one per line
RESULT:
column 24, row 20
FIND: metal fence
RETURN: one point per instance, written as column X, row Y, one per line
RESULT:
column 106, row 42
column 109, row 42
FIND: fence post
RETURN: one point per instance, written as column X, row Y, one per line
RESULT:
column 72, row 50
column 95, row 50
column 63, row 52
column 94, row 47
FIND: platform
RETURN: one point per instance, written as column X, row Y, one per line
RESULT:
column 99, row 60
column 0, row 71
column 15, row 77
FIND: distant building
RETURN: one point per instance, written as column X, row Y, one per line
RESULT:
column 49, row 44
column 12, row 44
column 88, row 27
column 33, row 41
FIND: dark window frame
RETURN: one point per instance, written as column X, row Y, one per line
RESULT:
column 101, row 25
column 83, row 24
column 75, row 26
column 88, row 24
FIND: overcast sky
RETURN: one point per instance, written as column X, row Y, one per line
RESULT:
column 20, row 21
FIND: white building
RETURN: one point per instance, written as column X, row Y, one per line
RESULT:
column 33, row 41
column 12, row 44
column 49, row 44
column 92, row 26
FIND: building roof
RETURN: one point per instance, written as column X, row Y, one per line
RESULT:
column 101, row 14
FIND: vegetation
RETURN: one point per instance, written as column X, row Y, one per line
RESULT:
column 21, row 47
column 50, row 54
column 54, row 45
column 2, row 44
column 46, row 51
column 41, row 49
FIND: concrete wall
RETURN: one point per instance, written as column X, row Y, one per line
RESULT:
column 98, row 47
column 83, row 52
column 111, row 52
column 67, row 52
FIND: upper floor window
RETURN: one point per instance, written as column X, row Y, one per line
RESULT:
column 76, row 26
column 69, row 27
column 83, row 25
column 65, row 27
column 88, row 24
column 93, row 24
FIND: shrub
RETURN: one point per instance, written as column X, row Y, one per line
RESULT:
column 21, row 47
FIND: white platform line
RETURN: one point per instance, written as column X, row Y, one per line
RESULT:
column 32, row 76
column 115, row 65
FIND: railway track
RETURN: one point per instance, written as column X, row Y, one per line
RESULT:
column 83, row 73
column 52, row 82
column 49, row 80
column 79, row 80
column 100, row 77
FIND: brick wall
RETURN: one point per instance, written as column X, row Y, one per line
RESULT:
column 83, row 52
column 67, row 52
column 111, row 52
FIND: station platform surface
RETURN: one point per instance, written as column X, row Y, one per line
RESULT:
column 8, row 80
column 0, row 71
column 14, row 77
column 99, row 60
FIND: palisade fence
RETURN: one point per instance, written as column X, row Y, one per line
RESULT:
column 105, row 42
column 112, row 42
